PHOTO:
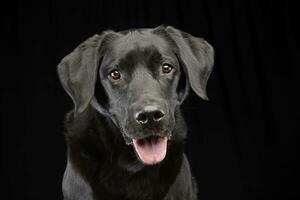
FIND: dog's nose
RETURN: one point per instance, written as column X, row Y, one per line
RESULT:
column 149, row 114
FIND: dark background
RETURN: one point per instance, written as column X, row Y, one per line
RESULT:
column 242, row 143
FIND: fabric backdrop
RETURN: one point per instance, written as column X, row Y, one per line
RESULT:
column 242, row 143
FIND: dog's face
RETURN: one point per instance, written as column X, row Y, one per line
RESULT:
column 143, row 76
column 140, row 75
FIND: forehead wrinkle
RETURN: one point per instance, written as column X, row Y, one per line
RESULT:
column 141, row 75
column 141, row 72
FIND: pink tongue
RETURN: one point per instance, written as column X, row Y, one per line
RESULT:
column 151, row 150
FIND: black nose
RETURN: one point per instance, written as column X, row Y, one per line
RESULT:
column 149, row 114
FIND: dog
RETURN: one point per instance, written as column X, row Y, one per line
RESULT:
column 125, row 136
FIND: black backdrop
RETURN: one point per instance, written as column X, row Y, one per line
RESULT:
column 242, row 143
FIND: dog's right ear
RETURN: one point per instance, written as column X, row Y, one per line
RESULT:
column 78, row 71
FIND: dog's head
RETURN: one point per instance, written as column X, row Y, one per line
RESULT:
column 138, row 78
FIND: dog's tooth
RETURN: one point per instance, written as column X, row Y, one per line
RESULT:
column 129, row 142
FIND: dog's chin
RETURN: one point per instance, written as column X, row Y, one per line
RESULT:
column 150, row 150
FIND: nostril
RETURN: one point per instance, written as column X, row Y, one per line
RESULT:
column 141, row 118
column 158, row 115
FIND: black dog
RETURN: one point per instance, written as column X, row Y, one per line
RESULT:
column 125, row 135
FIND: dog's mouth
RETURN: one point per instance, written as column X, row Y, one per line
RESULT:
column 151, row 150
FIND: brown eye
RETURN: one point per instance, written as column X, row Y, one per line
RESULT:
column 166, row 68
column 115, row 75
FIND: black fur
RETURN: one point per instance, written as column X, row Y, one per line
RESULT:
column 101, row 164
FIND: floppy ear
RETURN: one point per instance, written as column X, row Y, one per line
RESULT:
column 197, row 58
column 78, row 71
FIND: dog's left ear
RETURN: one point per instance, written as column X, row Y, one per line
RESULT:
column 197, row 58
column 78, row 71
